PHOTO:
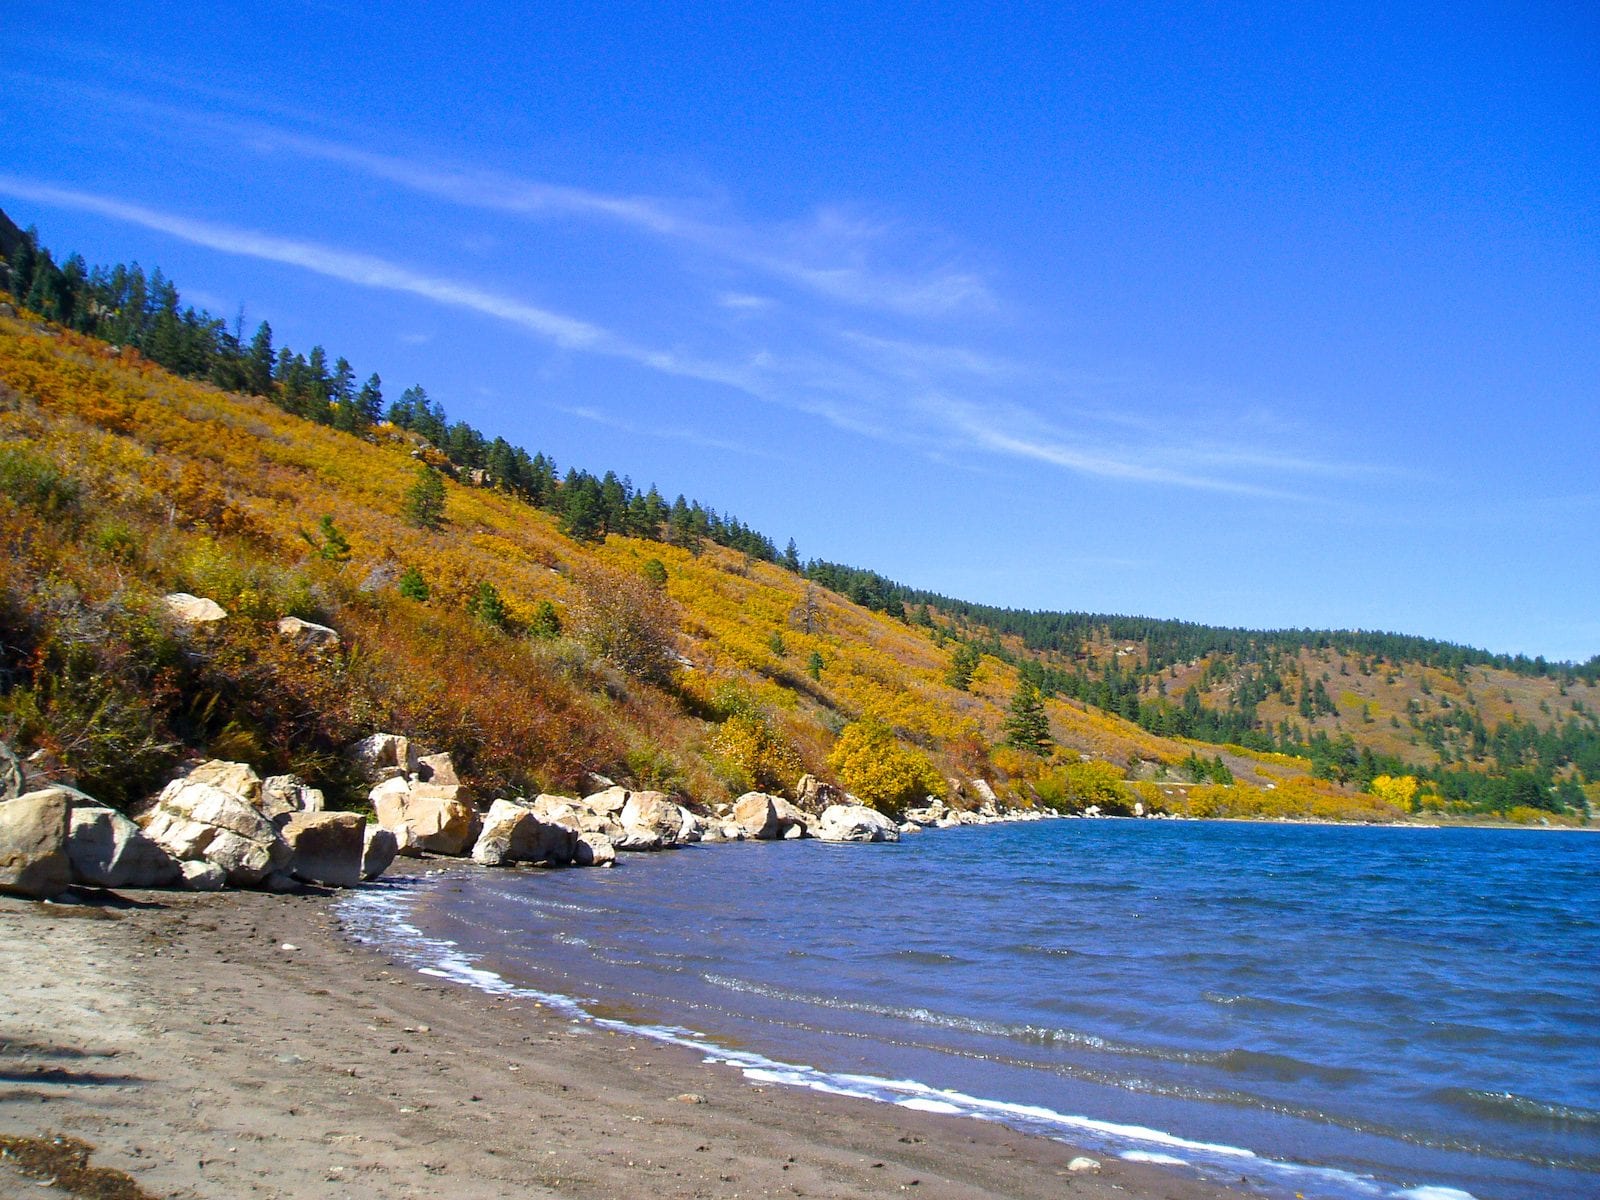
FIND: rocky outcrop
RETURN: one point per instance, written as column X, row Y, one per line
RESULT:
column 325, row 847
column 33, row 845
column 194, row 611
column 855, row 823
column 196, row 820
column 425, row 816
column 307, row 635
column 107, row 850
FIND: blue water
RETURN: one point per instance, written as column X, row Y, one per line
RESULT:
column 1339, row 1012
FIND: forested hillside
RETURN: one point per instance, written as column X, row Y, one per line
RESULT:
column 545, row 624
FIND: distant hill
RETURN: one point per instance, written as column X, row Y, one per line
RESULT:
column 547, row 626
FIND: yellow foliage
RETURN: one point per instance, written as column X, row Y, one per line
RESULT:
column 872, row 766
column 1398, row 790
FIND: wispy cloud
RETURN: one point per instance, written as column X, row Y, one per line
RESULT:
column 939, row 399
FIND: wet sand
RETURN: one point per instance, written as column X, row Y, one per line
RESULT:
column 181, row 1037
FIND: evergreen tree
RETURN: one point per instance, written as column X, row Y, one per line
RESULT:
column 424, row 502
column 1027, row 728
column 413, row 586
column 485, row 605
column 546, row 622
column 962, row 664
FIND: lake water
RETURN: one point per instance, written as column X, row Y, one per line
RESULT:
column 1339, row 1012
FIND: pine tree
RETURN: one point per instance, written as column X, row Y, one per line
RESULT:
column 412, row 585
column 1027, row 728
column 424, row 502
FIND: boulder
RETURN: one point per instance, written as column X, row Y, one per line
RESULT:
column 812, row 795
column 201, row 876
column 608, row 803
column 513, row 832
column 235, row 777
column 107, row 850
column 193, row 819
column 307, row 635
column 327, row 847
column 437, row 768
column 855, row 823
column 768, row 817
column 378, row 850
column 383, row 756
column 284, row 794
column 578, row 815
column 425, row 816
column 985, row 793
column 757, row 814
column 649, row 815
column 33, row 845
column 193, row 610
column 11, row 779
column 594, row 850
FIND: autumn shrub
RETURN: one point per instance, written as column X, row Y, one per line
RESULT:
column 872, row 766
column 34, row 481
column 93, row 682
column 629, row 621
column 1076, row 786
column 243, row 584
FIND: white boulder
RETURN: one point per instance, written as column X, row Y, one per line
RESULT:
column 108, row 850
column 425, row 816
column 855, row 823
column 195, row 820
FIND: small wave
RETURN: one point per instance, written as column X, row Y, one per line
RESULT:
column 1151, row 1156
column 1262, row 1064
column 1508, row 1106
column 929, row 958
column 1258, row 1003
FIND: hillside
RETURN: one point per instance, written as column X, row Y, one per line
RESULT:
column 545, row 629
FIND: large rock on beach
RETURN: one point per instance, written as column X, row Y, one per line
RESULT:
column 284, row 794
column 33, row 845
column 652, row 820
column 425, row 816
column 236, row 777
column 327, row 847
column 769, row 818
column 437, row 768
column 194, row 820
column 594, row 850
column 513, row 833
column 855, row 823
column 107, row 850
column 608, row 802
column 378, row 851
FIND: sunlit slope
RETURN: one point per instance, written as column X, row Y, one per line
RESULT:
column 125, row 482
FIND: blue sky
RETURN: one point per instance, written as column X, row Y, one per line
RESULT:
column 1270, row 316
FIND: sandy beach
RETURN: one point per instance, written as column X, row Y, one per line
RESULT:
column 233, row 1045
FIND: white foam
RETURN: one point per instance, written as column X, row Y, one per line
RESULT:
column 932, row 1106
column 1150, row 1156
column 1429, row 1192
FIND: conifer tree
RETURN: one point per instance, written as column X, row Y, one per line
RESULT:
column 424, row 502
column 1027, row 728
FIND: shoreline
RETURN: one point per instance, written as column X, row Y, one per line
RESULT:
column 238, row 1044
